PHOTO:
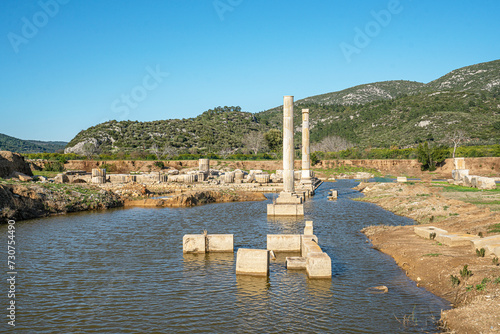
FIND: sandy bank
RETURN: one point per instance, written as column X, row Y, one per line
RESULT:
column 476, row 300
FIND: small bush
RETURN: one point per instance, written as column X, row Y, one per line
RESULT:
column 54, row 166
column 480, row 252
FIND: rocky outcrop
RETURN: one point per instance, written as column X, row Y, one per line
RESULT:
column 27, row 201
column 198, row 198
column 11, row 163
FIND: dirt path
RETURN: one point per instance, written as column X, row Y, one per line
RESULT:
column 476, row 299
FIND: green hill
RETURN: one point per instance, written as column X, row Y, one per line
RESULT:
column 8, row 143
column 381, row 114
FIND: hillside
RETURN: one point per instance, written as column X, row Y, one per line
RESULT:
column 362, row 94
column 8, row 143
column 215, row 129
column 381, row 114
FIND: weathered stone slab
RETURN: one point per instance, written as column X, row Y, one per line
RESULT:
column 285, row 209
column 426, row 231
column 456, row 240
column 319, row 265
column 283, row 242
column 485, row 183
column 483, row 242
column 459, row 174
column 402, row 179
column 194, row 243
column 220, row 243
column 252, row 262
column 296, row 263
column 310, row 247
column 491, row 249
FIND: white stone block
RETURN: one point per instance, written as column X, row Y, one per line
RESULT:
column 402, row 179
column 319, row 265
column 492, row 249
column 483, row 242
column 283, row 242
column 459, row 163
column 285, row 209
column 194, row 243
column 252, row 262
column 310, row 247
column 296, row 263
column 220, row 243
column 456, row 240
column 486, row 183
column 308, row 230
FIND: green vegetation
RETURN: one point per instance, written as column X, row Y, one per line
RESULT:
column 455, row 188
column 480, row 252
column 47, row 174
column 494, row 228
column 8, row 143
column 430, row 157
column 432, row 254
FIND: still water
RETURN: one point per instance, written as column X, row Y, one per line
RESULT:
column 123, row 271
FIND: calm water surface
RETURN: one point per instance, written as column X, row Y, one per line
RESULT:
column 123, row 271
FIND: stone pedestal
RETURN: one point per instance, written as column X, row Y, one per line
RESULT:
column 252, row 262
column 319, row 265
column 220, row 243
column 194, row 243
column 283, row 242
column 459, row 163
column 204, row 165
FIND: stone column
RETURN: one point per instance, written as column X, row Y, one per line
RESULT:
column 306, row 160
column 288, row 150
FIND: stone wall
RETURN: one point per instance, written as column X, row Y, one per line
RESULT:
column 477, row 166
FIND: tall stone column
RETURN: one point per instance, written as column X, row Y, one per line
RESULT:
column 288, row 149
column 288, row 203
column 306, row 160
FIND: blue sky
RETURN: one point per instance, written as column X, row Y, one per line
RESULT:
column 67, row 65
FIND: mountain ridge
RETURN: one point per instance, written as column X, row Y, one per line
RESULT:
column 368, row 114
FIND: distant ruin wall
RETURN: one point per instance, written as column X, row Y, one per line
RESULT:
column 477, row 166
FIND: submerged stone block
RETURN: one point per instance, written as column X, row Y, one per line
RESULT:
column 319, row 265
column 252, row 262
column 427, row 231
column 194, row 243
column 310, row 247
column 296, row 263
column 285, row 209
column 220, row 243
column 283, row 242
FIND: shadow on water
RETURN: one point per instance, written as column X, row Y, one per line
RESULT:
column 124, row 271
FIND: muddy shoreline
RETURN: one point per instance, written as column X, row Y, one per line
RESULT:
column 476, row 299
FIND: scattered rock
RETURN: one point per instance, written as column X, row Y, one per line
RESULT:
column 378, row 289
column 22, row 177
column 13, row 162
